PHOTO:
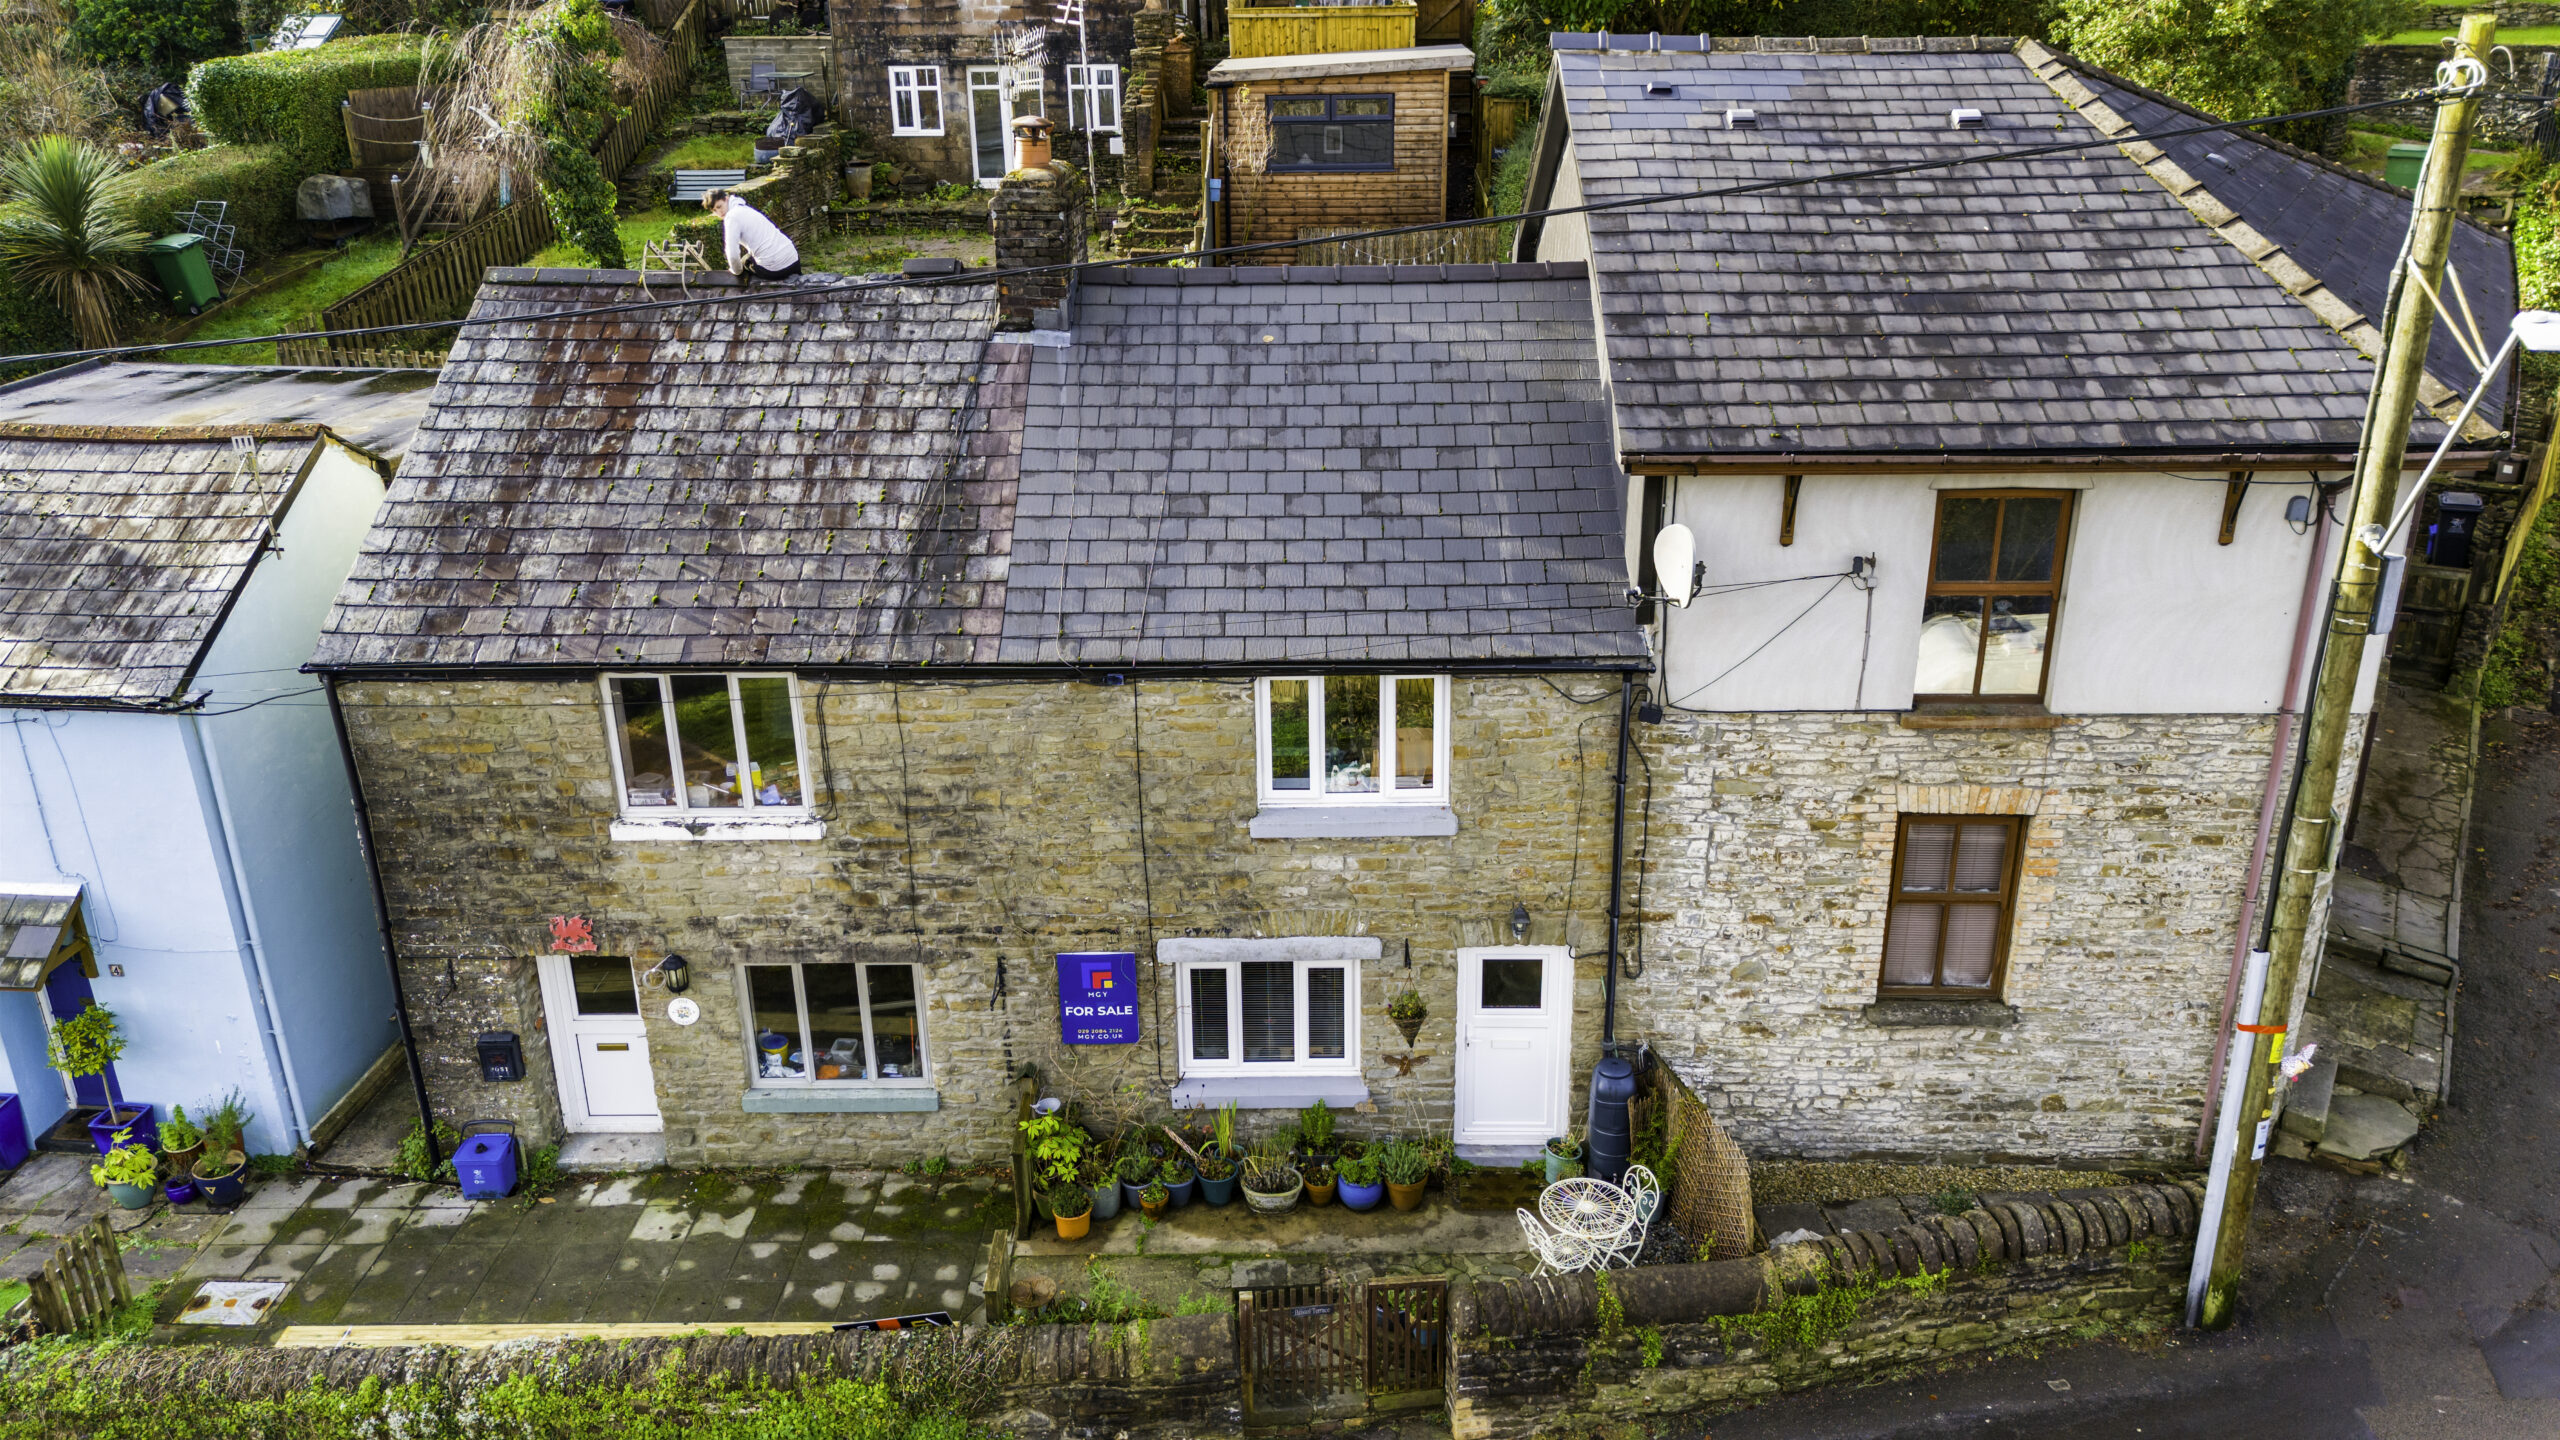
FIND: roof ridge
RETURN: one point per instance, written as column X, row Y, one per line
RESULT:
column 1604, row 41
column 162, row 434
column 1477, row 273
column 2441, row 400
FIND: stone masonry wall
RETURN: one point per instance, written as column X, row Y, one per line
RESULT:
column 2505, row 118
column 1277, row 207
column 1040, row 217
column 978, row 829
column 1763, row 926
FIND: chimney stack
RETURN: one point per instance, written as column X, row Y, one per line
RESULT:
column 1040, row 215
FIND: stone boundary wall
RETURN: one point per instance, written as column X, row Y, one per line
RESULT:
column 1534, row 1357
column 2507, row 110
column 2510, row 17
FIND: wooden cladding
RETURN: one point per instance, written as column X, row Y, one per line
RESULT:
column 1318, row 29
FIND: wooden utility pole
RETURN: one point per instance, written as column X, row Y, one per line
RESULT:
column 2311, row 845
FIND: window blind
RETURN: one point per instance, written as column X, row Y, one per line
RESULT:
column 1270, row 1010
column 1325, row 1019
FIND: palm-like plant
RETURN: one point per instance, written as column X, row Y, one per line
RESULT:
column 60, row 235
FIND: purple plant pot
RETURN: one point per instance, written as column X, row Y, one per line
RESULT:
column 131, row 1115
column 1362, row 1197
column 180, row 1192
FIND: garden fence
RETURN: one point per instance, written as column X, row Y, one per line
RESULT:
column 82, row 1284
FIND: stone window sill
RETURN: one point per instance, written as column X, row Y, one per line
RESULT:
column 1962, row 716
column 1270, row 1092
column 1950, row 1014
column 795, row 827
column 844, row 1100
column 1352, row 822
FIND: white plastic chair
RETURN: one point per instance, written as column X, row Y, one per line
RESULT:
column 1558, row 1253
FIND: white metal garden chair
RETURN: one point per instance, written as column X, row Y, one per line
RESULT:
column 1558, row 1253
column 1644, row 1197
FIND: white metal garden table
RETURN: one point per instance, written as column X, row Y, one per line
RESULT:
column 1591, row 1210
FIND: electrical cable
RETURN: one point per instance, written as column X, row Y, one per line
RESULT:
column 1755, row 651
column 982, row 277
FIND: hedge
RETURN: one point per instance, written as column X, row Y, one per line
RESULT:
column 291, row 97
column 29, row 325
column 258, row 181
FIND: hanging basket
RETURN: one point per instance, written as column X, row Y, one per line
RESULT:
column 1411, row 1029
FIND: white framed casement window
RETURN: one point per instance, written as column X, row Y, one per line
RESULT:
column 1093, row 98
column 1353, row 740
column 1269, row 1017
column 702, row 750
column 915, row 99
column 817, row 1025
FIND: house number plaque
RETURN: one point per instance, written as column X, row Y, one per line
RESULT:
column 683, row 1011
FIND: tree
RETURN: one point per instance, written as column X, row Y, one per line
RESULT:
column 2233, row 58
column 61, row 237
column 161, row 36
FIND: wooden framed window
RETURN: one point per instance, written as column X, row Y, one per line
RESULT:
column 1332, row 132
column 1955, row 880
column 1995, row 586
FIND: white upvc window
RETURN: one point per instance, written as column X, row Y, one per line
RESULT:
column 1353, row 739
column 1269, row 1017
column 1093, row 98
column 817, row 1025
column 706, row 746
column 915, row 99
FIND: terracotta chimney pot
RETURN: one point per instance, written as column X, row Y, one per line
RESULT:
column 1031, row 143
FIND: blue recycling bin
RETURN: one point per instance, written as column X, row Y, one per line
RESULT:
column 14, row 1148
column 486, row 1165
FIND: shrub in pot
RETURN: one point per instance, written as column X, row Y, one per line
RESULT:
column 1361, row 1189
column 87, row 1044
column 1217, row 1178
column 1136, row 1171
column 1319, row 1179
column 1406, row 1167
column 181, row 1141
column 1178, row 1181
column 1271, row 1184
column 1153, row 1199
column 218, row 1168
column 1563, row 1156
column 1408, row 1011
column 1072, row 1206
column 1315, row 1131
column 130, row 1173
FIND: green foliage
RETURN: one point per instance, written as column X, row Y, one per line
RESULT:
column 86, row 1043
column 540, row 1176
column 1403, row 1162
column 1953, row 1202
column 1174, row 1171
column 291, row 97
column 1649, row 1344
column 412, row 1161
column 161, row 36
column 180, row 1133
column 226, row 1120
column 258, row 181
column 1361, row 1169
column 953, row 190
column 1315, row 1127
column 572, row 119
column 1109, row 1301
column 937, row 1165
column 273, row 1167
column 1199, row 1302
column 1057, row 1145
column 2140, row 1252
column 62, row 236
column 1609, row 1309
column 1811, row 1321
column 1226, row 1125
column 2232, row 58
column 1408, row 1008
column 1070, row 1200
column 126, row 1164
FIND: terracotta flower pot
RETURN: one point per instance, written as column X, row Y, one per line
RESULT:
column 1406, row 1197
column 1155, row 1208
column 1320, row 1194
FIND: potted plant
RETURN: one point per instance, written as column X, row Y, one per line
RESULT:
column 1271, row 1184
column 1406, row 1167
column 1217, row 1178
column 1226, row 1133
column 1153, row 1199
column 89, row 1044
column 218, row 1167
column 1056, row 1146
column 1408, row 1012
column 1319, row 1178
column 1361, row 1189
column 130, row 1172
column 1177, row 1179
column 180, row 1143
column 1072, row 1205
column 1564, row 1154
column 1315, row 1131
column 1136, row 1170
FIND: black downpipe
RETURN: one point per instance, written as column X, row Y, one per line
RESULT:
column 1608, row 1134
column 382, row 923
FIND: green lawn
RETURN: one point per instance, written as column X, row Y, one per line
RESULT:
column 637, row 230
column 2367, row 149
column 287, row 306
column 2522, row 35
column 709, row 152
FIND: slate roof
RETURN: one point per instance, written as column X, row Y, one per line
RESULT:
column 121, row 550
column 1310, row 465
column 796, row 481
column 374, row 410
column 2341, row 225
column 2056, row 305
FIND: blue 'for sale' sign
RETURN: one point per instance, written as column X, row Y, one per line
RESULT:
column 1098, row 998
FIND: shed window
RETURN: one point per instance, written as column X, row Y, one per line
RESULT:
column 915, row 99
column 721, row 744
column 1995, row 583
column 1954, row 886
column 1333, row 132
column 816, row 1023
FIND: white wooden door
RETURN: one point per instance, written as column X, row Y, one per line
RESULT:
column 1515, row 1033
column 599, row 1044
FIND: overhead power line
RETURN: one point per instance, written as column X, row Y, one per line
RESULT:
column 981, row 277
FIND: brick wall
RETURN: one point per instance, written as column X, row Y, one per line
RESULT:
column 1277, row 207
column 1763, row 925
column 1016, row 807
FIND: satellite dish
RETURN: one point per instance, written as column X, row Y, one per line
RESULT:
column 1675, row 563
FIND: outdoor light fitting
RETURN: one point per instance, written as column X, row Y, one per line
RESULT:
column 677, row 975
column 1519, row 920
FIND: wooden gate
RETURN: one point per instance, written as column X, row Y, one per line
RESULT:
column 1408, row 1342
column 83, row 1283
column 1299, row 1353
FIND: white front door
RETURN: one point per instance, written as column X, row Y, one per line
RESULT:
column 599, row 1044
column 1515, row 1034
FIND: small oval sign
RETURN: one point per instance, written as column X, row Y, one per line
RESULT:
column 683, row 1011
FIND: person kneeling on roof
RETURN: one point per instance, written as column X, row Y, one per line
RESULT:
column 754, row 246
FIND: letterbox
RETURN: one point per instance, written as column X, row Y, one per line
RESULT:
column 501, row 1057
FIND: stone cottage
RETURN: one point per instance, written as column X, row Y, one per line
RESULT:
column 2011, row 484
column 781, row 722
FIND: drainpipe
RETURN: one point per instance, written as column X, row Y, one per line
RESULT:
column 1617, row 857
column 2288, row 713
column 244, row 922
column 1608, row 1133
column 1222, row 140
column 382, row 922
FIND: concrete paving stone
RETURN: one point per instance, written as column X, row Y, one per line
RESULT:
column 284, row 1262
column 618, row 1301
column 573, row 1273
column 379, row 1296
column 662, row 1221
column 446, row 1288
column 282, row 1194
column 370, row 1226
column 323, row 1290
column 711, row 1224
column 2364, row 1126
column 343, row 1194
column 223, row 1262
column 713, row 1303
column 506, row 1286
column 2306, row 1102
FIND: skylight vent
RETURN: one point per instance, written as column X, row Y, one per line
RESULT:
column 1741, row 118
column 1964, row 117
column 1660, row 87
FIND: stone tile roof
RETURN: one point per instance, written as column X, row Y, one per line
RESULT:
column 2060, row 304
column 121, row 549
column 810, row 480
column 2341, row 226
column 373, row 410
column 1313, row 465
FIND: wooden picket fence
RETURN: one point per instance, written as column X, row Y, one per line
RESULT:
column 440, row 280
column 322, row 353
column 1474, row 245
column 82, row 1284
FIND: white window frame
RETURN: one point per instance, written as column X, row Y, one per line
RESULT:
column 684, row 808
column 910, row 86
column 1235, row 1063
column 1087, row 87
column 1386, row 793
column 756, row 1078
